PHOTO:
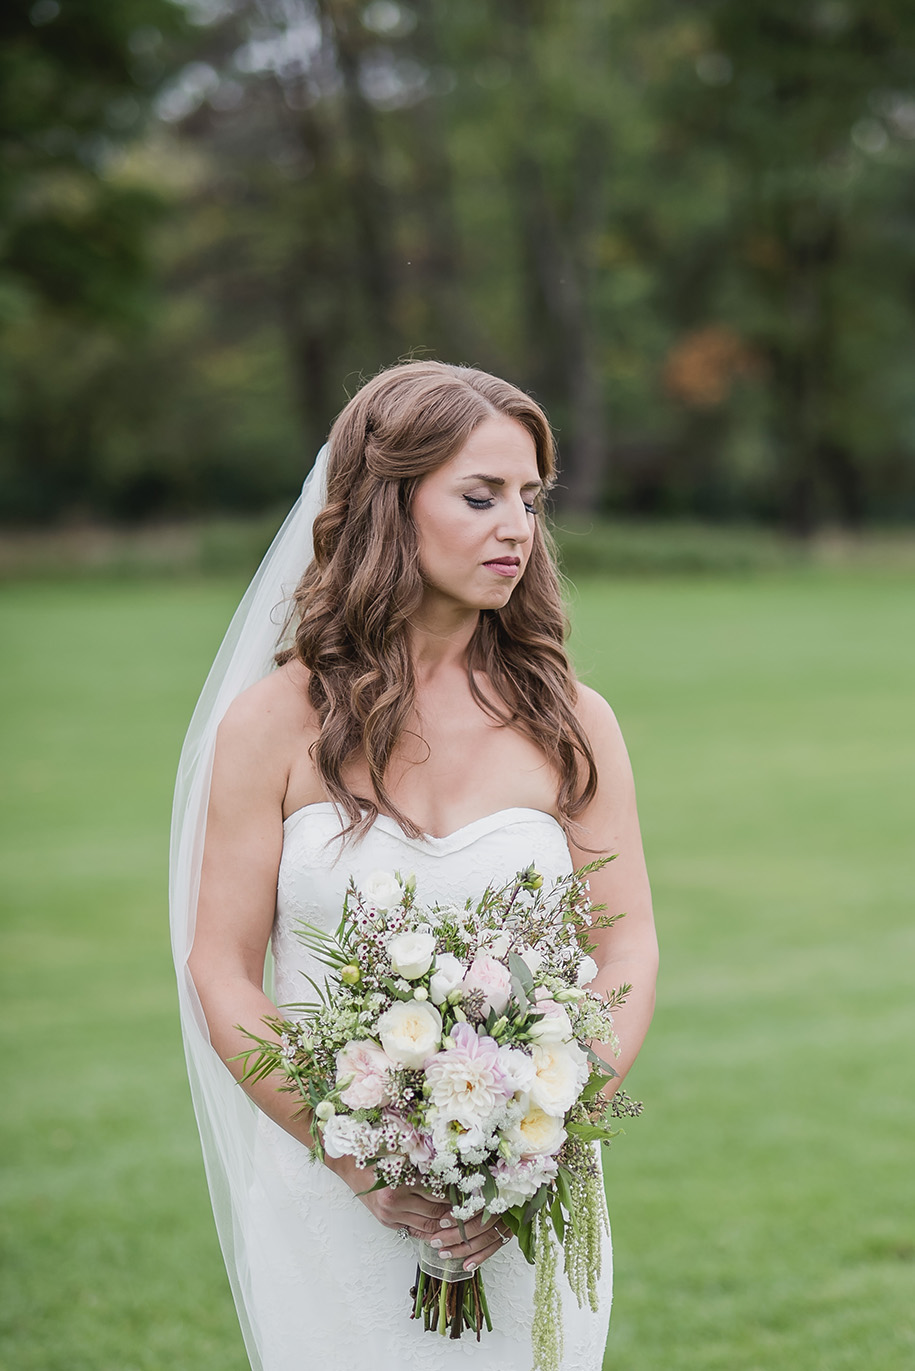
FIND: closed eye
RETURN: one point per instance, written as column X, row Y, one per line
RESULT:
column 487, row 502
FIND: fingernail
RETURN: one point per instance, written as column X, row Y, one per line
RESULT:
column 444, row 1223
column 436, row 1242
column 471, row 1266
column 446, row 1255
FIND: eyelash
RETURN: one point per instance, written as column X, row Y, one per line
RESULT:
column 488, row 503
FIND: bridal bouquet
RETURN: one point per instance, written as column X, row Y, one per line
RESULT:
column 448, row 1050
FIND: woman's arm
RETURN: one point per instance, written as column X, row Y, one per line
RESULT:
column 627, row 952
column 235, row 912
column 237, row 898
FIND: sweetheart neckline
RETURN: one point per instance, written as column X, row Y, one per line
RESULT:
column 385, row 820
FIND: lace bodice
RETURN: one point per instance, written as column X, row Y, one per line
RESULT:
column 316, row 867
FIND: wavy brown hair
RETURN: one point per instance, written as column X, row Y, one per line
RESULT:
column 352, row 608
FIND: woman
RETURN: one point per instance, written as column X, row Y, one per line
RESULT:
column 422, row 717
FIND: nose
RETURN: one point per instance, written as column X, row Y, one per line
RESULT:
column 516, row 522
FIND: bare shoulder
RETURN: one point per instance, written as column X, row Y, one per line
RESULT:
column 269, row 709
column 609, row 822
column 600, row 726
column 262, row 730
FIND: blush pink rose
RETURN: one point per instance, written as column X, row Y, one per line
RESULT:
column 367, row 1065
column 490, row 976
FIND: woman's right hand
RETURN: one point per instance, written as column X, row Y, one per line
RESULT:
column 397, row 1207
column 405, row 1207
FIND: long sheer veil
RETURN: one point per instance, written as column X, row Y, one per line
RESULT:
column 225, row 1115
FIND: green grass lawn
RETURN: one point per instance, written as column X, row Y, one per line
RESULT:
column 762, row 1207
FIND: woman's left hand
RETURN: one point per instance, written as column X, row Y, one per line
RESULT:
column 482, row 1239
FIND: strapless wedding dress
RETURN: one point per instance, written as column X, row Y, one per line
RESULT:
column 329, row 1285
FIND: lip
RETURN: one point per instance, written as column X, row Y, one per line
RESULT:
column 504, row 566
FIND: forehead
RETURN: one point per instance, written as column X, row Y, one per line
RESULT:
column 498, row 447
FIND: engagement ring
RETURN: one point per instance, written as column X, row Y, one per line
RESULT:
column 403, row 1232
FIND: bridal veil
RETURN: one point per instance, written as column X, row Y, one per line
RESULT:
column 225, row 1115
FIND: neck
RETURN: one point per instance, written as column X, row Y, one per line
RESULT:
column 439, row 640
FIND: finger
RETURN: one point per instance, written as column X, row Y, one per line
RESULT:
column 475, row 1249
column 454, row 1233
column 405, row 1208
column 421, row 1201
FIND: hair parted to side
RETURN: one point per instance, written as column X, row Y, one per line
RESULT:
column 353, row 606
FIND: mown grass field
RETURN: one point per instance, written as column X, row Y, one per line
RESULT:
column 762, row 1206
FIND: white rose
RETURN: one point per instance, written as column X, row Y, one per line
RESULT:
column 538, row 1134
column 532, row 959
column 410, row 1032
column 586, row 972
column 446, row 977
column 382, row 890
column 560, row 1071
column 411, row 954
column 554, row 1027
column 343, row 1135
column 498, row 946
column 518, row 1068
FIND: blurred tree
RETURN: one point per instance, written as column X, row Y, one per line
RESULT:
column 804, row 114
column 76, row 80
column 687, row 229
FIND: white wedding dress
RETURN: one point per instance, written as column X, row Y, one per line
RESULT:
column 329, row 1284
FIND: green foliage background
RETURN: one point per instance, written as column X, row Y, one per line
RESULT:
column 759, row 1206
column 688, row 229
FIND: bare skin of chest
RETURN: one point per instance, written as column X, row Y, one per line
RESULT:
column 453, row 764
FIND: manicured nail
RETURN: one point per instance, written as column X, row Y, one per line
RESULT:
column 471, row 1266
column 436, row 1242
column 444, row 1223
column 446, row 1255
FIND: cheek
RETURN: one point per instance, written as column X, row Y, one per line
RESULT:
column 444, row 538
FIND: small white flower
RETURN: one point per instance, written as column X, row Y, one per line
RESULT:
column 411, row 954
column 325, row 1110
column 518, row 1067
column 586, row 972
column 532, row 959
column 498, row 946
column 345, row 1136
column 554, row 1027
column 446, row 977
column 382, row 890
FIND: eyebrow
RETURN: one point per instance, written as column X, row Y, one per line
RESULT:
column 499, row 481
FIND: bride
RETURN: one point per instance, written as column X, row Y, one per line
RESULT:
column 417, row 713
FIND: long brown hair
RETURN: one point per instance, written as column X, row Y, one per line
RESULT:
column 353, row 605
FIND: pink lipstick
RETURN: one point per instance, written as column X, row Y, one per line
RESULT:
column 504, row 566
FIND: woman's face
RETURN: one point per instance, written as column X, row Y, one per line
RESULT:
column 474, row 518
